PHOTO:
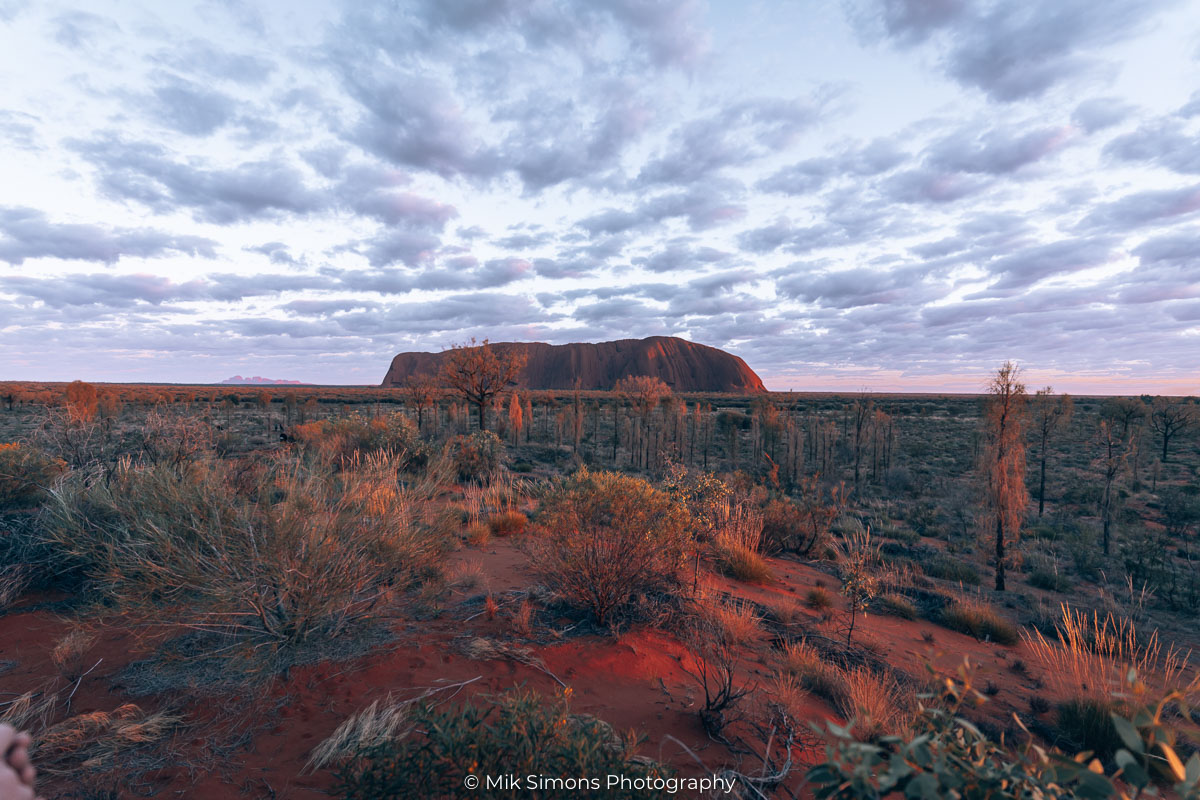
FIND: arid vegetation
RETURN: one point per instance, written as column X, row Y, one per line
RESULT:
column 397, row 588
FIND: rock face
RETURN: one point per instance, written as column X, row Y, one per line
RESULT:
column 684, row 366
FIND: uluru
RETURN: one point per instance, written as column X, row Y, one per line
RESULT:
column 683, row 365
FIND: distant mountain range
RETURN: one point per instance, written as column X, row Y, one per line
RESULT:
column 684, row 366
column 238, row 380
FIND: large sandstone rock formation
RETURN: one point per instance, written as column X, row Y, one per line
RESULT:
column 684, row 366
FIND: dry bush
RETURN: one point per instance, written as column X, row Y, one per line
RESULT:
column 978, row 619
column 478, row 534
column 303, row 551
column 14, row 580
column 25, row 474
column 339, row 441
column 803, row 526
column 714, row 657
column 606, row 538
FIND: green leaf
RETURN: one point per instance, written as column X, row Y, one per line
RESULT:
column 1129, row 734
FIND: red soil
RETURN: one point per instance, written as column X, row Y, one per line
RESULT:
column 634, row 681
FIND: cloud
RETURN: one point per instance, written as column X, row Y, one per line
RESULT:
column 1165, row 143
column 27, row 233
column 188, row 107
column 1143, row 208
column 1010, row 50
column 147, row 173
column 1099, row 113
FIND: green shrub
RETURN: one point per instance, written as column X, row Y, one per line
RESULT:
column 517, row 733
column 949, row 568
column 1050, row 581
column 898, row 606
column 606, row 538
column 979, row 620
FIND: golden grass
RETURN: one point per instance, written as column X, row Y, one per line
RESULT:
column 874, row 702
column 980, row 620
column 1093, row 656
column 737, row 621
column 805, row 663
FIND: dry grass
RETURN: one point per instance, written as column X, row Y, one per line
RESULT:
column 816, row 675
column 980, row 620
column 379, row 723
column 99, row 739
column 69, row 653
column 1093, row 655
column 507, row 523
column 898, row 606
column 741, row 562
column 288, row 551
column 818, row 598
column 874, row 702
column 738, row 621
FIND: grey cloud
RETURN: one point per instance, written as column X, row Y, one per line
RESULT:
column 148, row 174
column 190, row 108
column 1143, row 208
column 77, row 29
column 925, row 185
column 1012, row 50
column 1032, row 264
column 1099, row 113
column 199, row 57
column 1163, row 142
column 995, row 150
column 29, row 234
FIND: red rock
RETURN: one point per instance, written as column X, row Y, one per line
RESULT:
column 684, row 366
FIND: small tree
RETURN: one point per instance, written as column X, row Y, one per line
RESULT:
column 420, row 389
column 82, row 401
column 1168, row 418
column 1114, row 451
column 516, row 418
column 858, row 562
column 479, row 372
column 644, row 394
column 1003, row 464
column 1049, row 412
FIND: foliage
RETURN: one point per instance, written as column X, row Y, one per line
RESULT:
column 339, row 441
column 949, row 757
column 802, row 526
column 606, row 537
column 478, row 372
column 476, row 456
column 287, row 553
column 517, row 733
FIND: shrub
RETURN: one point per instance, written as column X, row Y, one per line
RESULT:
column 948, row 568
column 979, row 620
column 507, row 523
column 476, row 456
column 340, row 441
column 818, row 598
column 741, row 562
column 295, row 553
column 802, row 527
column 1087, row 724
column 606, row 537
column 898, row 606
column 25, row 474
column 1050, row 581
column 516, row 733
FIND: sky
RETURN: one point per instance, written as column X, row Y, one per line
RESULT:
column 881, row 195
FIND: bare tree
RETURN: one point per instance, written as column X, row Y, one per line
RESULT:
column 480, row 371
column 1003, row 465
column 644, row 393
column 1169, row 417
column 1050, row 410
column 1113, row 454
column 420, row 390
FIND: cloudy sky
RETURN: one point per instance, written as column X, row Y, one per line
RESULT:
column 882, row 194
